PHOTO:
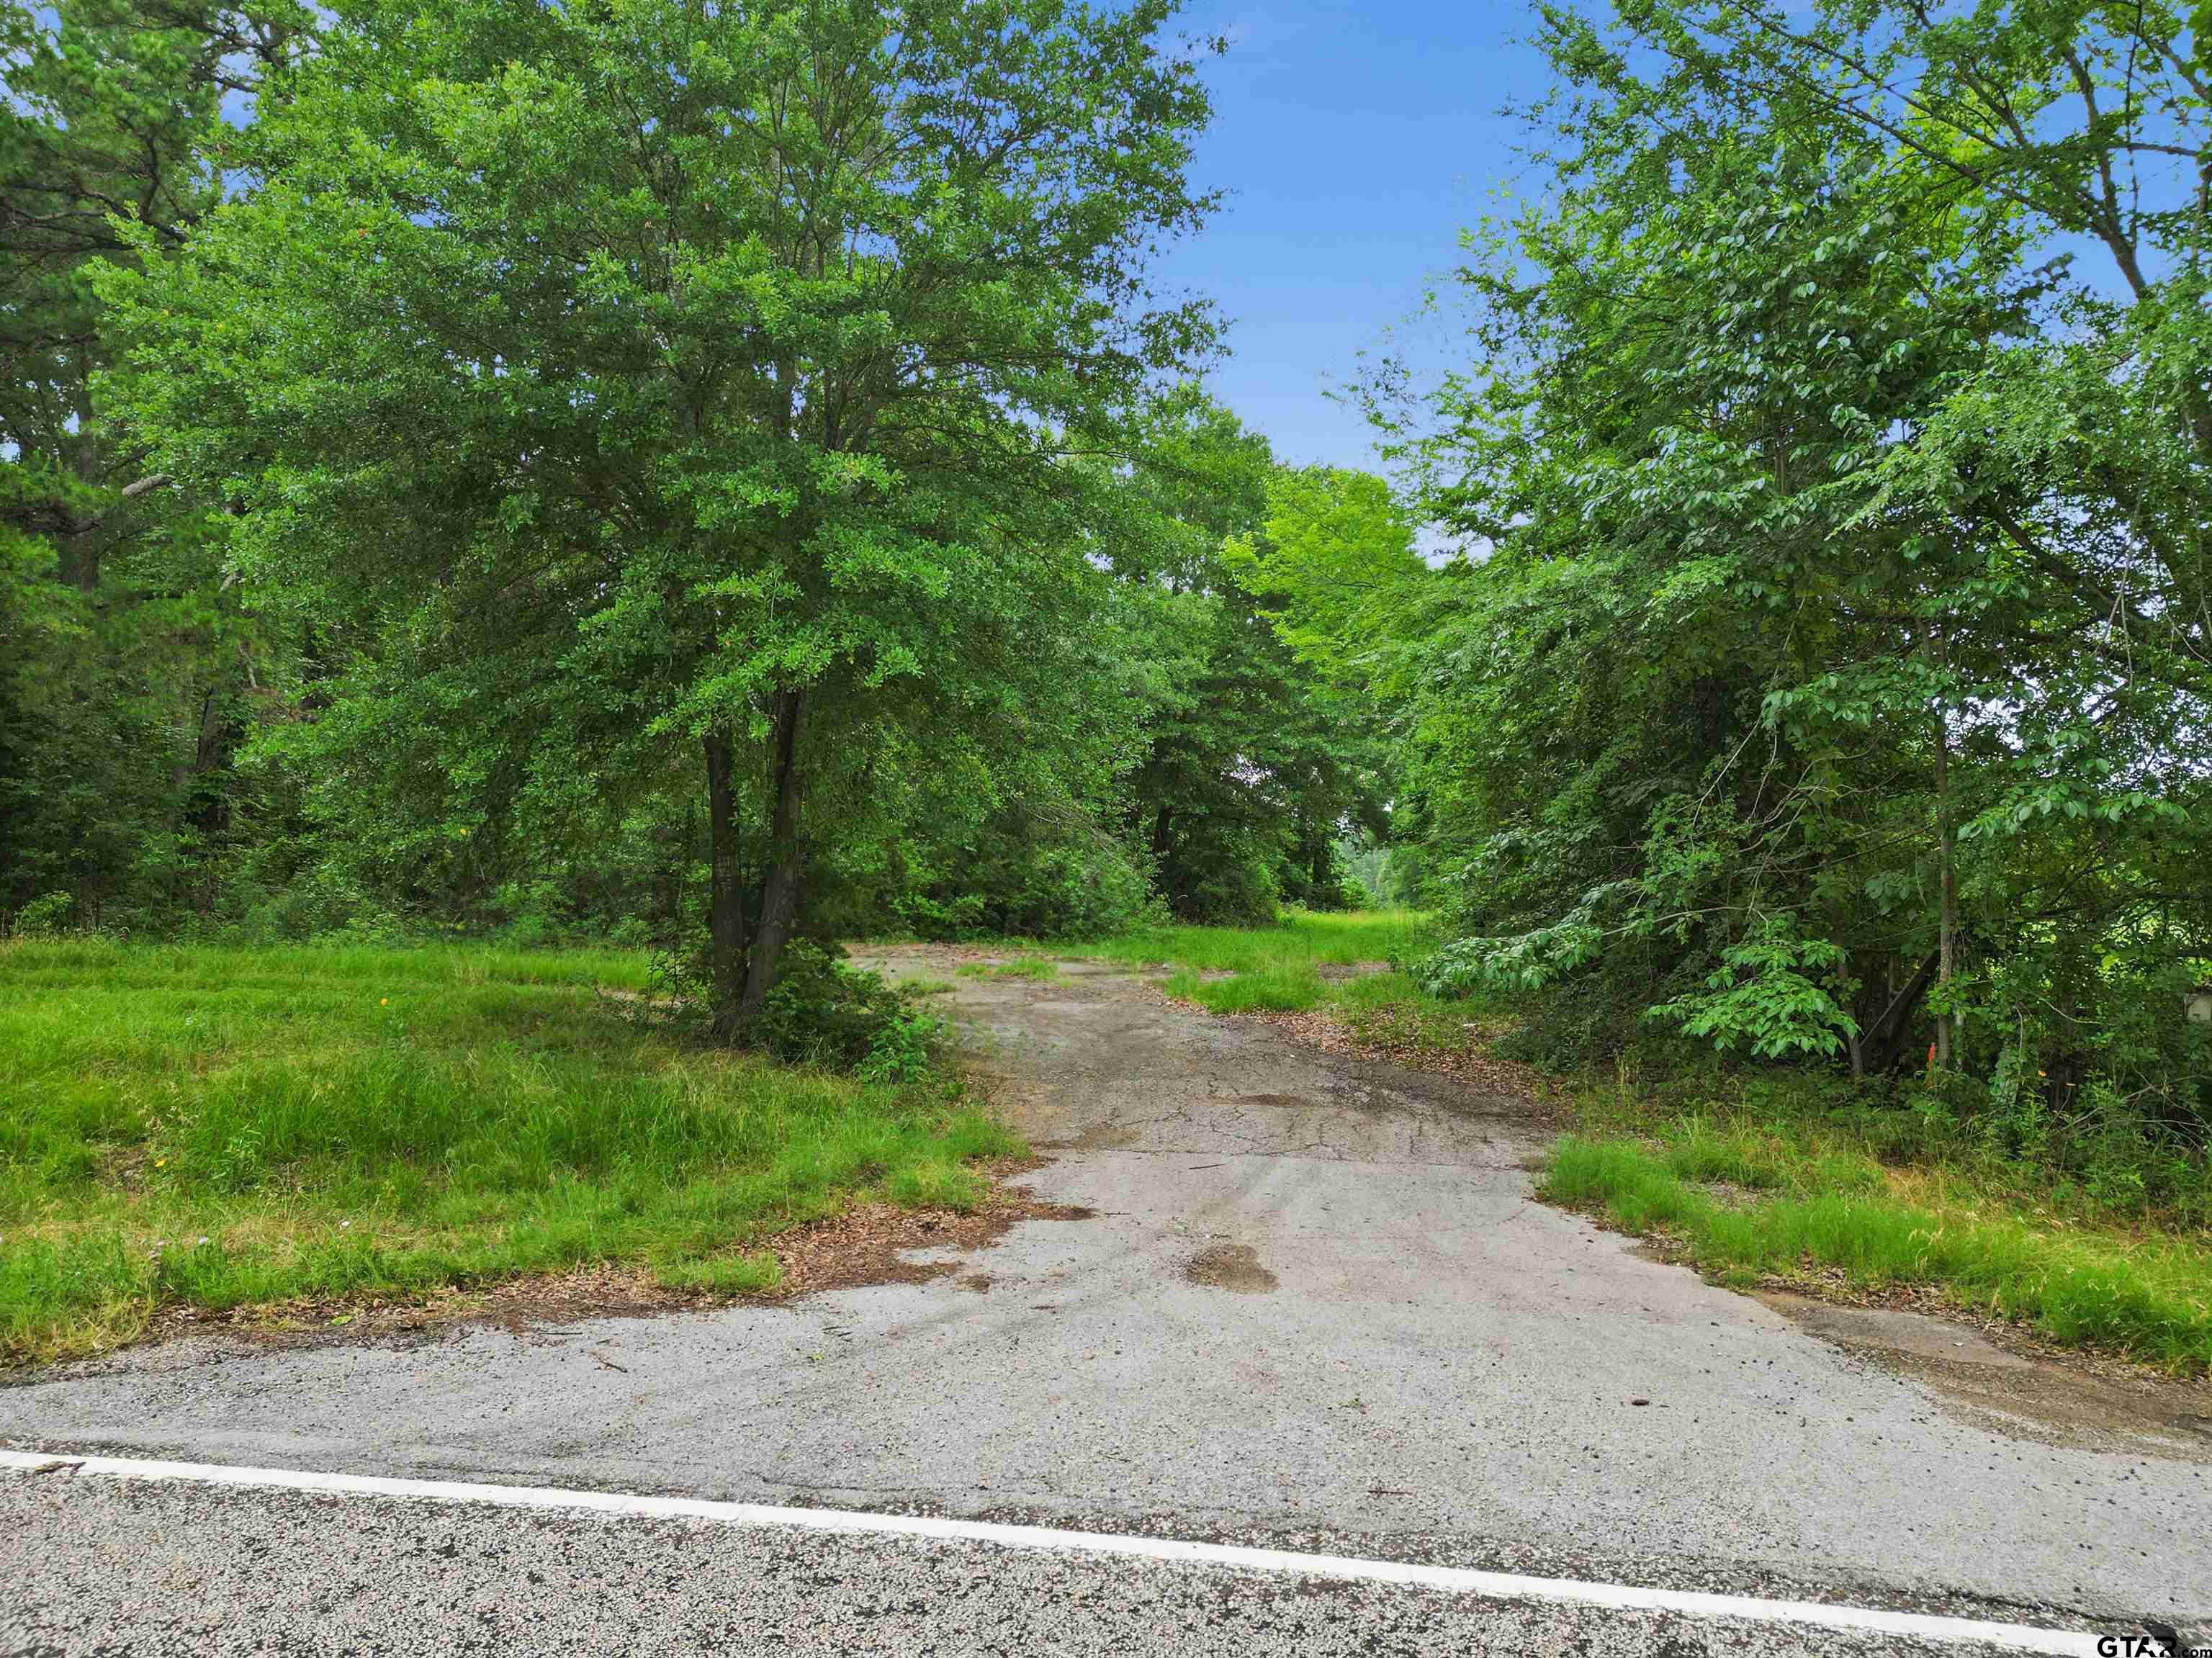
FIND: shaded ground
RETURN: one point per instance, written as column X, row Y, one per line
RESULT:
column 1315, row 1299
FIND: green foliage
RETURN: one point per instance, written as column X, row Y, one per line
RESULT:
column 823, row 1012
column 1300, row 938
column 1274, row 989
column 1061, row 874
column 337, row 1121
column 538, row 394
column 484, row 486
column 1277, row 968
column 1767, row 997
column 44, row 917
column 1824, row 671
column 1029, row 968
column 128, row 668
column 905, row 1050
column 1254, row 767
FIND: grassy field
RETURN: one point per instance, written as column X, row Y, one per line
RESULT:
column 220, row 1127
column 1760, row 1176
column 1302, row 942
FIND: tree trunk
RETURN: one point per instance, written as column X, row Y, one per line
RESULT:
column 1884, row 1038
column 786, row 861
column 725, row 899
column 1946, row 936
column 1852, row 1037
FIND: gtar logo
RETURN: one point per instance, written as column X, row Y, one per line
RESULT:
column 2157, row 1640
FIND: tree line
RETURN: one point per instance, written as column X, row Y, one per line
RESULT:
column 1829, row 675
column 718, row 471
column 725, row 473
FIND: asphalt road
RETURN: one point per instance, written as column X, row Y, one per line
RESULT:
column 1315, row 1305
column 105, row 1565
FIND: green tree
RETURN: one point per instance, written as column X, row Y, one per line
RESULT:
column 1250, row 775
column 125, row 668
column 612, row 379
column 1826, row 672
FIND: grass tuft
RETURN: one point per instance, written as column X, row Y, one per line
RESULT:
column 1275, row 968
column 1303, row 937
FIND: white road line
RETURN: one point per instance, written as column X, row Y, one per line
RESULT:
column 1488, row 1585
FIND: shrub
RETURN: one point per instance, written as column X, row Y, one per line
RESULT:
column 904, row 1049
column 44, row 917
column 1062, row 878
column 823, row 1012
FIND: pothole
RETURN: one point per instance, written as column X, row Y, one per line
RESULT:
column 1231, row 1266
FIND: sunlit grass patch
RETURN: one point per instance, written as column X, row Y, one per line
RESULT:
column 1032, row 967
column 1302, row 937
column 221, row 1127
column 1275, row 968
column 1276, row 989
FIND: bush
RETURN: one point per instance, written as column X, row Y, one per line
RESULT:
column 824, row 1012
column 1216, row 879
column 904, row 1049
column 44, row 917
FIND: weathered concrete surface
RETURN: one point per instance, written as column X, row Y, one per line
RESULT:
column 1315, row 1294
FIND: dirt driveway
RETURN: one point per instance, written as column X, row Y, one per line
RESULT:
column 1315, row 1302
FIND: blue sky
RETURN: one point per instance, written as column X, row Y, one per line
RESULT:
column 1356, row 142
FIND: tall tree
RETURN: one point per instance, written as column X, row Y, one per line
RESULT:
column 643, row 373
column 123, row 666
column 1826, row 674
column 1250, row 776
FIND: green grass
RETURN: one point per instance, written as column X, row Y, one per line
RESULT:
column 1781, row 1173
column 1270, row 989
column 224, row 1127
column 2150, row 1296
column 1302, row 939
column 1029, row 967
column 1279, row 969
column 1239, row 969
column 1272, row 969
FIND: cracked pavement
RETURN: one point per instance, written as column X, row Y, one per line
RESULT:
column 1316, row 1306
